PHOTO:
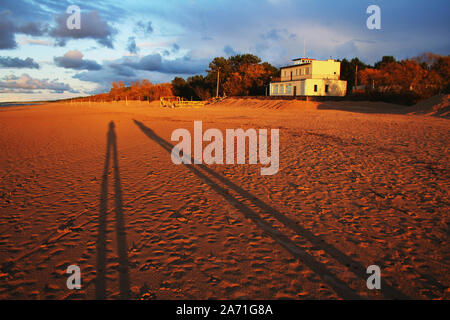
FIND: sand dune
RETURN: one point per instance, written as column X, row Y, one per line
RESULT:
column 436, row 106
column 93, row 185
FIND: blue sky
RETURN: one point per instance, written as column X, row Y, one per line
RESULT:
column 158, row 40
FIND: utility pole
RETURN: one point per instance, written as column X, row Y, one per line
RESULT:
column 218, row 75
column 356, row 76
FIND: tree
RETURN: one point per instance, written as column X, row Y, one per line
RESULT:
column 442, row 67
column 143, row 90
column 411, row 78
column 117, row 90
column 384, row 61
column 348, row 71
column 239, row 75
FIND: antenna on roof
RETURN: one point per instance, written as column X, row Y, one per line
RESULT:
column 304, row 48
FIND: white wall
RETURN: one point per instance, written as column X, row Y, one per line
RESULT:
column 306, row 87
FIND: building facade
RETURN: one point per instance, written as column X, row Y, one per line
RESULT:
column 310, row 77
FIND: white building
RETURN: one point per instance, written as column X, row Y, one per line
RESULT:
column 310, row 77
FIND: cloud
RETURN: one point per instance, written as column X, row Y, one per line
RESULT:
column 347, row 49
column 229, row 51
column 133, row 68
column 7, row 34
column 45, row 9
column 131, row 46
column 33, row 28
column 109, row 73
column 175, row 48
column 74, row 60
column 9, row 62
column 272, row 34
column 24, row 91
column 25, row 82
column 155, row 62
column 278, row 35
column 143, row 28
column 92, row 27
column 35, row 42
column 122, row 70
column 8, row 30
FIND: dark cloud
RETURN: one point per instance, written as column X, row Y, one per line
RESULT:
column 25, row 82
column 7, row 33
column 347, row 49
column 122, row 70
column 133, row 68
column 273, row 34
column 155, row 62
column 278, row 35
column 109, row 73
column 229, row 50
column 9, row 29
column 9, row 62
column 143, row 28
column 131, row 45
column 74, row 60
column 175, row 48
column 33, row 28
column 92, row 27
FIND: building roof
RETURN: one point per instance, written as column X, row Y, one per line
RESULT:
column 295, row 65
column 302, row 59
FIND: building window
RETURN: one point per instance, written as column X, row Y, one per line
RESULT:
column 289, row 89
column 315, row 88
column 275, row 89
column 281, row 88
column 326, row 88
column 307, row 70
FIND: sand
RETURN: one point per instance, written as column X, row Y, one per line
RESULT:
column 94, row 186
column 438, row 106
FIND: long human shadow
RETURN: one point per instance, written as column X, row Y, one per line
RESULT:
column 340, row 287
column 124, row 278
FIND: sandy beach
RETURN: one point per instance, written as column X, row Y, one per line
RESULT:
column 93, row 185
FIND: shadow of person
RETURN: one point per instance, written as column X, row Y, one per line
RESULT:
column 124, row 279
